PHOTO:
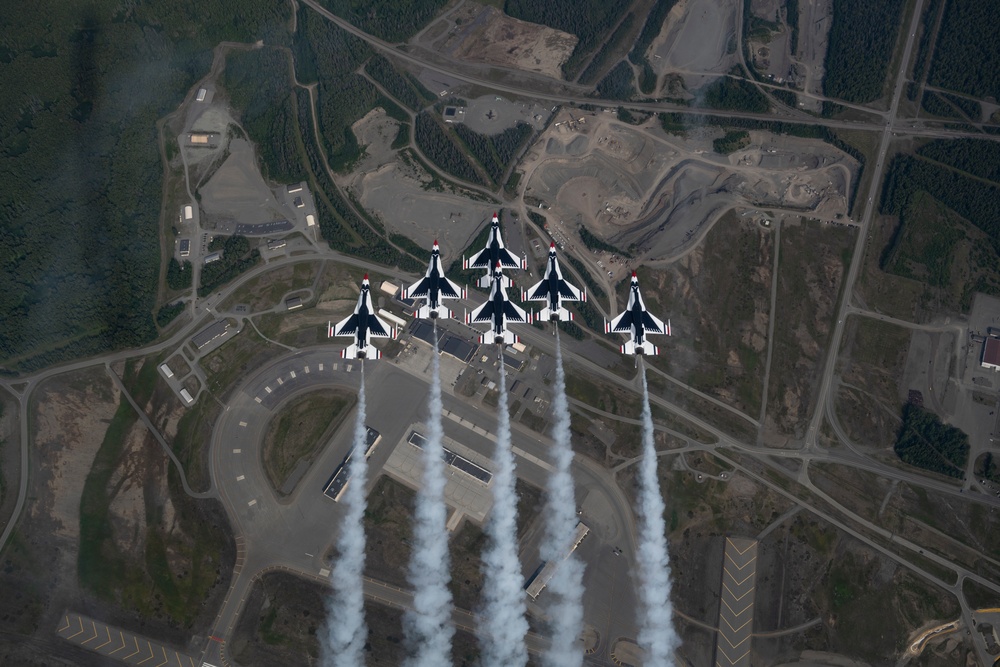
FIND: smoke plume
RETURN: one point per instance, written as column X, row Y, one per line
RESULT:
column 502, row 625
column 346, row 630
column 565, row 589
column 656, row 631
column 427, row 627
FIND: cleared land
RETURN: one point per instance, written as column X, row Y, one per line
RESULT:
column 718, row 298
column 812, row 260
column 868, row 401
column 300, row 430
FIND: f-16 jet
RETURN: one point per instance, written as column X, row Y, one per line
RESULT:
column 498, row 311
column 494, row 253
column 362, row 324
column 553, row 289
column 637, row 322
column 433, row 287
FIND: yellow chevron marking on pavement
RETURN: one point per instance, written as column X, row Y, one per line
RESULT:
column 740, row 567
column 736, row 613
column 90, row 639
column 81, row 628
column 66, row 627
column 150, row 647
column 121, row 636
column 742, row 625
column 136, row 649
column 737, row 549
column 107, row 630
column 735, row 597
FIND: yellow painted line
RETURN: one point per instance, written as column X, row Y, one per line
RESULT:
column 736, row 613
column 736, row 599
column 743, row 625
column 66, row 618
column 150, row 647
column 136, row 649
column 121, row 636
column 81, row 628
column 740, row 567
column 991, row 610
column 740, row 582
column 737, row 643
column 737, row 549
column 108, row 630
column 94, row 626
column 164, row 657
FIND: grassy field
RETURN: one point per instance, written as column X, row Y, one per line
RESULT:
column 718, row 300
column 874, row 355
column 388, row 529
column 183, row 563
column 265, row 291
column 238, row 356
column 812, row 262
column 301, row 429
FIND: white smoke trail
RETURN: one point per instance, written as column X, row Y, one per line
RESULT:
column 656, row 631
column 427, row 628
column 502, row 625
column 346, row 629
column 565, row 608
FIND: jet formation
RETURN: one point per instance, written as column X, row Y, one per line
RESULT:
column 636, row 321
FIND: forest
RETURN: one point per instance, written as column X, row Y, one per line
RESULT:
column 610, row 47
column 860, row 47
column 594, row 243
column 494, row 152
column 923, row 46
column 732, row 141
column 974, row 200
column 259, row 87
column 409, row 93
column 967, row 54
column 589, row 20
column 733, row 94
column 439, row 148
column 237, row 257
column 925, row 442
column 84, row 86
column 618, row 84
column 391, row 20
column 977, row 157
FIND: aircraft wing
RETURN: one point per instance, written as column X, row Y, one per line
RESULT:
column 652, row 324
column 538, row 292
column 507, row 260
column 347, row 326
column 449, row 290
column 418, row 290
column 481, row 260
column 622, row 323
column 514, row 313
column 483, row 313
column 568, row 292
column 377, row 328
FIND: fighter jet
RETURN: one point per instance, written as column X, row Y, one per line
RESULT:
column 637, row 322
column 553, row 289
column 494, row 253
column 433, row 287
column 362, row 324
column 498, row 311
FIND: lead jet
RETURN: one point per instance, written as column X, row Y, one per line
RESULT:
column 362, row 324
column 433, row 287
column 498, row 311
column 494, row 253
column 553, row 289
column 637, row 322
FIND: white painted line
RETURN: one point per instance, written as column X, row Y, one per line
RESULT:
column 293, row 374
column 257, row 398
column 321, row 366
column 323, row 572
column 349, row 367
column 240, row 478
column 252, row 502
column 306, row 369
column 237, row 451
column 280, row 381
column 243, row 424
column 335, row 366
column 267, row 389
